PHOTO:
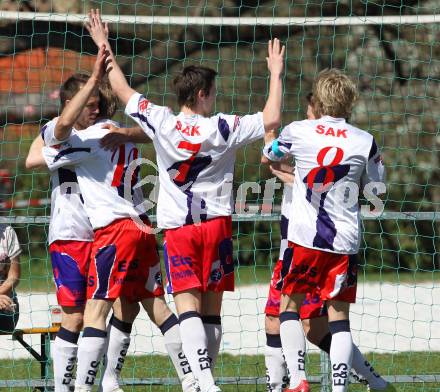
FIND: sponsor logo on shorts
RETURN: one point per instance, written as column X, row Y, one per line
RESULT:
column 182, row 274
column 178, row 261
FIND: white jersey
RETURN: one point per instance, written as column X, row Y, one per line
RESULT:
column 101, row 174
column 284, row 224
column 196, row 157
column 9, row 248
column 333, row 162
column 68, row 219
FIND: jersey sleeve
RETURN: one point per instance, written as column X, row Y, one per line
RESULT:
column 239, row 131
column 13, row 246
column 48, row 133
column 280, row 147
column 72, row 152
column 374, row 169
column 147, row 115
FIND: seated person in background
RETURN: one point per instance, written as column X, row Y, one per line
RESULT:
column 9, row 278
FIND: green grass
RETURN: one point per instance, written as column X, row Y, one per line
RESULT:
column 153, row 366
column 37, row 275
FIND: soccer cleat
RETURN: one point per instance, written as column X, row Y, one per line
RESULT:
column 190, row 384
column 214, row 388
column 388, row 388
column 302, row 387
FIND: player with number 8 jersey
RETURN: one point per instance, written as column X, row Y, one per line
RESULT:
column 335, row 163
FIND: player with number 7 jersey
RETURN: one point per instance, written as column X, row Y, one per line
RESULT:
column 335, row 164
column 195, row 155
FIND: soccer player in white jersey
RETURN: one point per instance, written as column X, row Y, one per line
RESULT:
column 124, row 262
column 70, row 237
column 70, row 234
column 313, row 313
column 333, row 162
column 70, row 241
column 195, row 156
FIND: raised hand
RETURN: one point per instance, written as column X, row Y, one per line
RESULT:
column 97, row 30
column 100, row 63
column 275, row 59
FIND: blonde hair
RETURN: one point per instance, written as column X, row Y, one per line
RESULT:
column 334, row 94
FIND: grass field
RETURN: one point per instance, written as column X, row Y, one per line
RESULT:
column 37, row 275
column 251, row 366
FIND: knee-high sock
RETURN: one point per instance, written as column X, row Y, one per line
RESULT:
column 276, row 372
column 213, row 330
column 118, row 342
column 341, row 353
column 173, row 343
column 195, row 347
column 294, row 346
column 64, row 352
column 359, row 364
column 90, row 350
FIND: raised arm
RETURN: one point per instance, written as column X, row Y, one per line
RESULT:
column 99, row 33
column 35, row 159
column 275, row 64
column 73, row 109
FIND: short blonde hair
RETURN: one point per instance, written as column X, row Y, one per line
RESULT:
column 334, row 94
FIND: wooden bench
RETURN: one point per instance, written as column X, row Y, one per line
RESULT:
column 46, row 334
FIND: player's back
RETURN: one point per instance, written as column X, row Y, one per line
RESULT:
column 196, row 157
column 331, row 157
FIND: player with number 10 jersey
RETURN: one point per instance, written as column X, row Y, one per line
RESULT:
column 101, row 175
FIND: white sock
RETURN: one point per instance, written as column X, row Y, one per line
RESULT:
column 341, row 353
column 276, row 371
column 173, row 343
column 64, row 351
column 364, row 369
column 195, row 347
column 213, row 330
column 294, row 346
column 90, row 351
column 116, row 349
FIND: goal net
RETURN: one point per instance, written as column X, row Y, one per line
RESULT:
column 390, row 49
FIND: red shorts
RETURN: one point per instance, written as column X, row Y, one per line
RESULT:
column 70, row 262
column 334, row 274
column 312, row 306
column 200, row 256
column 124, row 262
